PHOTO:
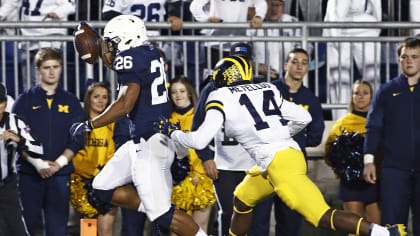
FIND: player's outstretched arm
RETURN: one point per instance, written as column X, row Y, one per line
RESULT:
column 125, row 102
column 200, row 138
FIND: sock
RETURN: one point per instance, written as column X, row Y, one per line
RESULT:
column 201, row 233
column 377, row 230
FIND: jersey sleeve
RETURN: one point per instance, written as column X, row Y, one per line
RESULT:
column 197, row 10
column 298, row 117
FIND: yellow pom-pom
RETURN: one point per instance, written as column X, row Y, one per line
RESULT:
column 194, row 193
column 78, row 197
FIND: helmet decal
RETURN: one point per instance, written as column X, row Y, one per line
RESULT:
column 231, row 71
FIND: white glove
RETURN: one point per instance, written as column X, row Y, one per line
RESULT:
column 38, row 163
column 368, row 158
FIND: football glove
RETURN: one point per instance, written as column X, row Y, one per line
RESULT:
column 164, row 126
column 77, row 132
column 180, row 169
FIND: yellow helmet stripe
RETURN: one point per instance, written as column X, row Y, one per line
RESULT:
column 242, row 65
column 248, row 69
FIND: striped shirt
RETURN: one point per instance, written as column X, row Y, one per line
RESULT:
column 8, row 149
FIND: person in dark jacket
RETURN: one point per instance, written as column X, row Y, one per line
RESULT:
column 394, row 121
column 288, row 222
column 49, row 111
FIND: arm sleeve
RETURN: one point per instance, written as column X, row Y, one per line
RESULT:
column 8, row 6
column 297, row 116
column 27, row 142
column 260, row 8
column 197, row 10
column 174, row 8
column 66, row 7
column 374, row 124
column 199, row 114
column 200, row 138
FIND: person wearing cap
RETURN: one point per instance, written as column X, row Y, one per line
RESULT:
column 14, row 138
column 246, row 50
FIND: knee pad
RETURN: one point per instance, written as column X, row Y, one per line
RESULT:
column 100, row 199
column 165, row 220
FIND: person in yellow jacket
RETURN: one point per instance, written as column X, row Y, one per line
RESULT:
column 195, row 194
column 97, row 148
column 344, row 144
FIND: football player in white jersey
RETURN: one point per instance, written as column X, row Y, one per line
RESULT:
column 263, row 123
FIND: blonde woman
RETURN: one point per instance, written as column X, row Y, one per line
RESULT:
column 194, row 194
column 357, row 195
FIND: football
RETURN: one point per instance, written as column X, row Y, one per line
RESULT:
column 86, row 42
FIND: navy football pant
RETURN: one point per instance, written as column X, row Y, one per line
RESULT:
column 51, row 197
column 400, row 189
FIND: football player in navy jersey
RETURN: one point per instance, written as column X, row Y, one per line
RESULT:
column 145, row 160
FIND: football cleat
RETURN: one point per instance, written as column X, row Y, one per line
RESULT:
column 396, row 230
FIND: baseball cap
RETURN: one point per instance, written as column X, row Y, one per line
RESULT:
column 3, row 94
column 241, row 49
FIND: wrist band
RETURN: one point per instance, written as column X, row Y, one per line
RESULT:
column 368, row 158
column 62, row 160
column 90, row 124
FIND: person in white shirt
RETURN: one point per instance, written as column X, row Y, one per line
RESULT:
column 226, row 11
column 342, row 57
column 271, row 54
column 47, row 11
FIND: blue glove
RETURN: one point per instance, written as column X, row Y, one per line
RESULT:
column 180, row 169
column 164, row 126
column 77, row 132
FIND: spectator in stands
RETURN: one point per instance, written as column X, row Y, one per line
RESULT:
column 14, row 137
column 49, row 111
column 414, row 16
column 291, row 86
column 9, row 11
column 195, row 193
column 147, row 11
column 357, row 195
column 342, row 57
column 226, row 11
column 269, row 55
column 48, row 11
column 307, row 11
column 392, row 120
